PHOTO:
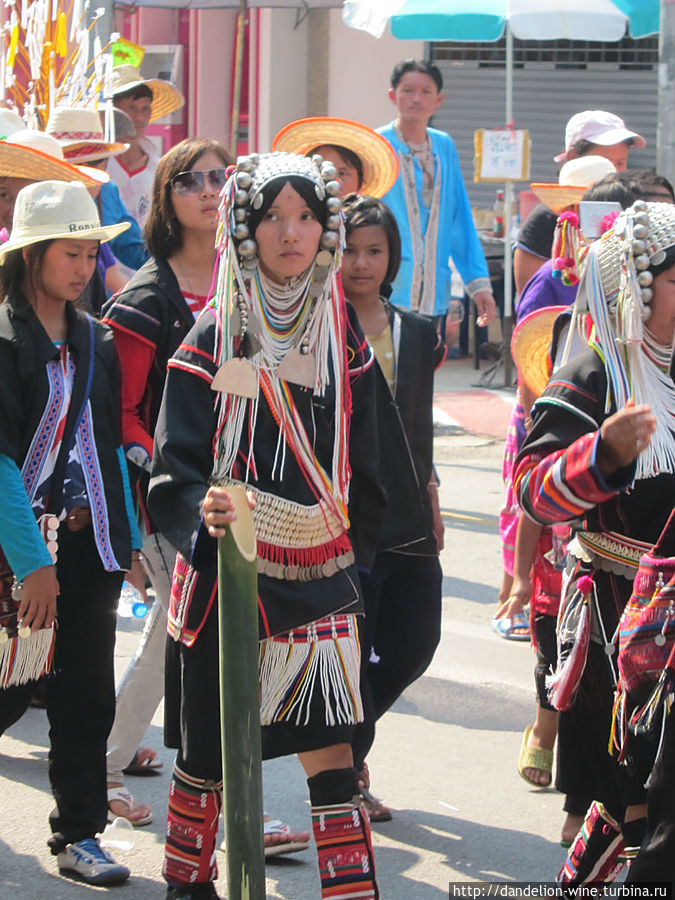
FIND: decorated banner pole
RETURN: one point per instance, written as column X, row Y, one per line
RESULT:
column 239, row 704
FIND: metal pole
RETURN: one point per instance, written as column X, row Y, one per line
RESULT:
column 239, row 705
column 665, row 135
column 508, row 208
column 238, row 67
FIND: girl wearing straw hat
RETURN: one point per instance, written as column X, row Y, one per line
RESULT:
column 272, row 388
column 61, row 463
column 365, row 161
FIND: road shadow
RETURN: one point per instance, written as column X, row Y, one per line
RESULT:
column 483, row 707
column 470, row 850
column 474, row 591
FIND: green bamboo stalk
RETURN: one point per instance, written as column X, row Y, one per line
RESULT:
column 240, row 706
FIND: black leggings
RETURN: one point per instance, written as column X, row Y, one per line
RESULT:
column 80, row 691
column 402, row 600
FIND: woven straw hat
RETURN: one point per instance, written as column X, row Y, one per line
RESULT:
column 575, row 178
column 530, row 345
column 36, row 156
column 380, row 163
column 165, row 97
column 52, row 210
column 80, row 134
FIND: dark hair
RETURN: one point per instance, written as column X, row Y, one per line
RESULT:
column 16, row 269
column 617, row 187
column 583, row 147
column 273, row 188
column 134, row 93
column 646, row 180
column 667, row 263
column 163, row 232
column 416, row 65
column 360, row 211
column 349, row 156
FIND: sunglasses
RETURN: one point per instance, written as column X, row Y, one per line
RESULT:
column 193, row 181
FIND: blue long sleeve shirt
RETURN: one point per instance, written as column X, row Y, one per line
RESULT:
column 129, row 247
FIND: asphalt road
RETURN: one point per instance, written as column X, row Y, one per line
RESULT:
column 444, row 758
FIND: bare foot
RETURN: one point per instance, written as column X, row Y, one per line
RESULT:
column 571, row 828
column 121, row 803
column 277, row 834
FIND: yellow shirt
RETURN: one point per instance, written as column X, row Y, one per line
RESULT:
column 383, row 347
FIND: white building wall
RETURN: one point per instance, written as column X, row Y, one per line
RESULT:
column 283, row 72
column 358, row 67
column 359, row 70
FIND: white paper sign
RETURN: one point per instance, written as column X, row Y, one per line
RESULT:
column 504, row 155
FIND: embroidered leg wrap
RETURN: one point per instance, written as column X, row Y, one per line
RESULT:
column 593, row 856
column 342, row 834
column 191, row 828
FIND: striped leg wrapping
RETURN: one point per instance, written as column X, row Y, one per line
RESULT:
column 346, row 866
column 191, row 829
column 593, row 857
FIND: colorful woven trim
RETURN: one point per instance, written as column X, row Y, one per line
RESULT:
column 609, row 551
column 324, row 655
column 297, row 542
column 191, row 829
column 344, row 846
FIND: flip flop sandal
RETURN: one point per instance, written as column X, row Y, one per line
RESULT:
column 275, row 826
column 534, row 758
column 148, row 766
column 511, row 629
column 123, row 795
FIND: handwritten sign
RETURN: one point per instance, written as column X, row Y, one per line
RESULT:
column 501, row 155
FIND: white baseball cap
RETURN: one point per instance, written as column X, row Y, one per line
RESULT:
column 599, row 127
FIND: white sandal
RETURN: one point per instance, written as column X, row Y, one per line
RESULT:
column 122, row 794
column 276, row 826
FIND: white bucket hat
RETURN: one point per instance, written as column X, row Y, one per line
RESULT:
column 165, row 97
column 36, row 156
column 10, row 121
column 53, row 210
column 80, row 134
column 575, row 178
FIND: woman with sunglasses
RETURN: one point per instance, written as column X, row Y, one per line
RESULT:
column 150, row 318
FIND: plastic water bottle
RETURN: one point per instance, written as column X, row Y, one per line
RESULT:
column 118, row 835
column 131, row 604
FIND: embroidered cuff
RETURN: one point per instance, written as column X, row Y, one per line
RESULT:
column 477, row 285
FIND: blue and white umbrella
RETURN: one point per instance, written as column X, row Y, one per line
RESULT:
column 487, row 20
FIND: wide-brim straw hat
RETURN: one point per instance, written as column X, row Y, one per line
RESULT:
column 380, row 163
column 53, row 210
column 80, row 134
column 25, row 155
column 575, row 178
column 530, row 344
column 165, row 97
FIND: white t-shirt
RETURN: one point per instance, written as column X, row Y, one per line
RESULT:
column 136, row 187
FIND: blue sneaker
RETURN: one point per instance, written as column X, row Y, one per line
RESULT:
column 88, row 861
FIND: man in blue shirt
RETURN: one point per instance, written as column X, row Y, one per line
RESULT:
column 430, row 202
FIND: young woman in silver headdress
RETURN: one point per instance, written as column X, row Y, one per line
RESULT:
column 260, row 392
column 601, row 455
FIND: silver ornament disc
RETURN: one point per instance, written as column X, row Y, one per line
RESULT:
column 236, row 376
column 659, row 640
